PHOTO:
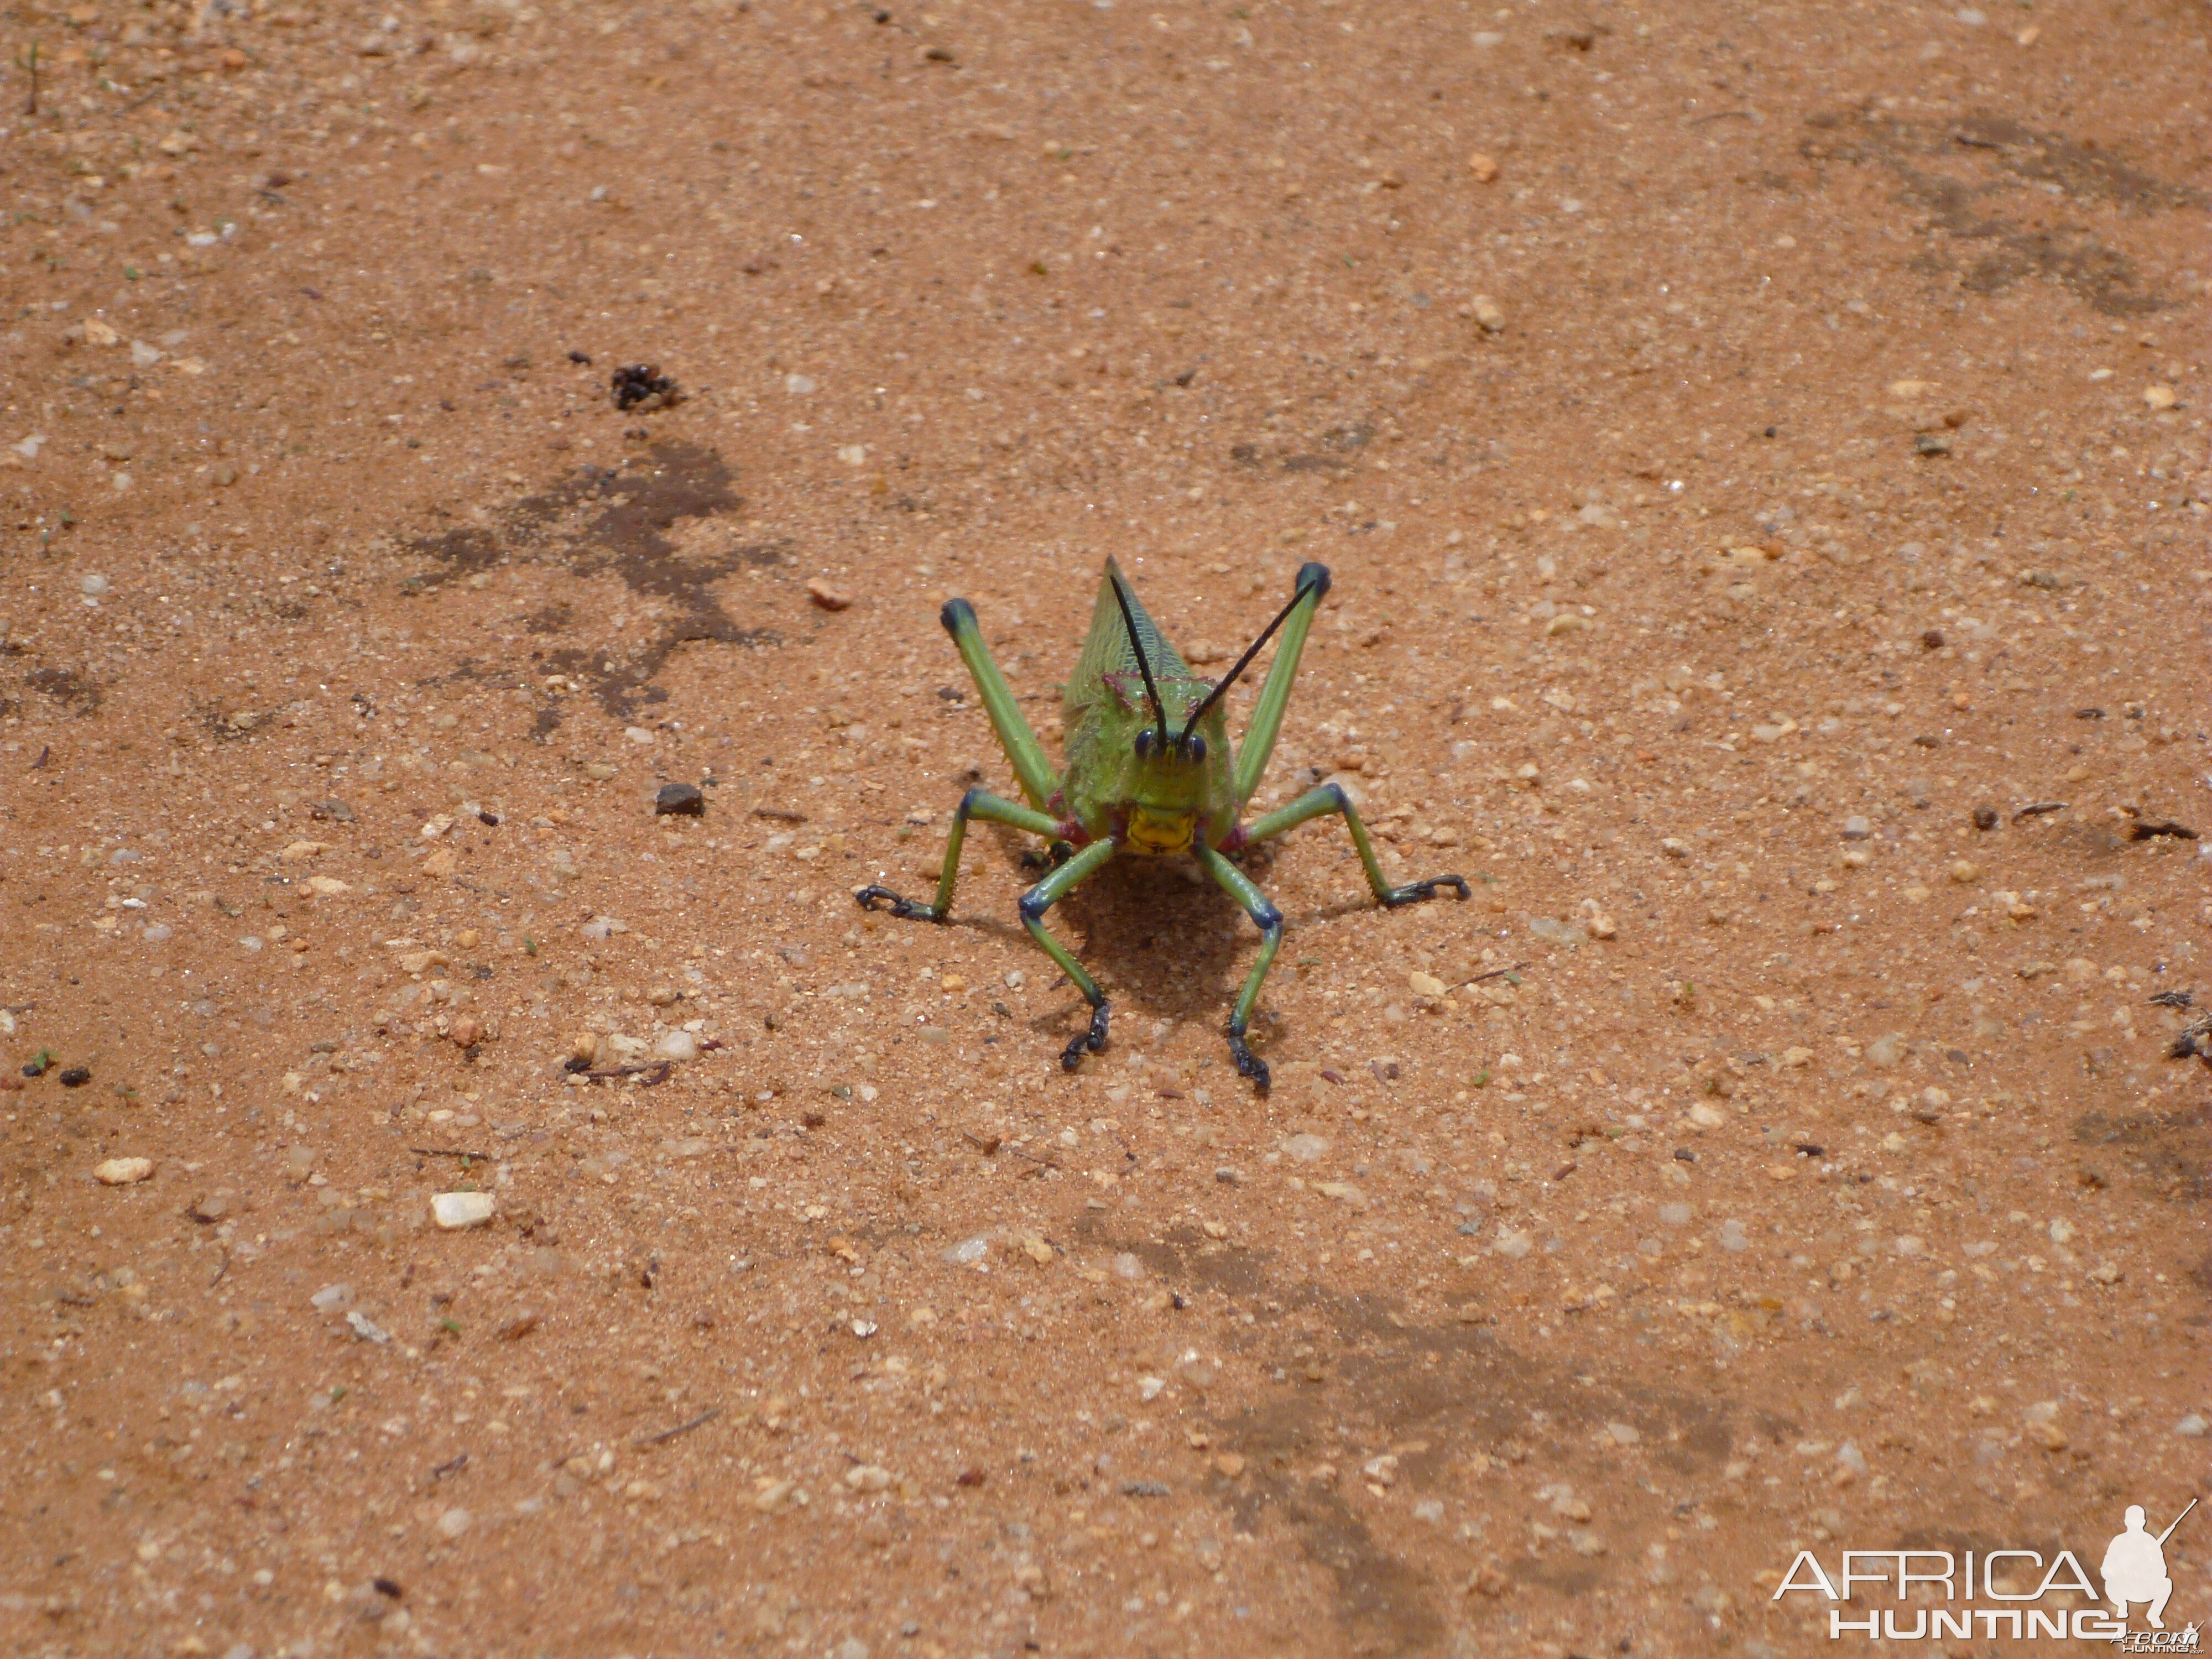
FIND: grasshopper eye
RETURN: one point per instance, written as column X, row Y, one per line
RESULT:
column 1196, row 749
column 1145, row 743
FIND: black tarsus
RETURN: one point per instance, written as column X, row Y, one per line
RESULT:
column 1248, row 1063
column 1129, row 622
column 1414, row 891
column 1313, row 578
column 905, row 909
column 1090, row 1042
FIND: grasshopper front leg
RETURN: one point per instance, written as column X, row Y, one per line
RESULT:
column 976, row 803
column 1331, row 798
column 1040, row 899
column 1270, row 920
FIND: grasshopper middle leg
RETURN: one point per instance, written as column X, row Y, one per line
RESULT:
column 976, row 803
column 1270, row 920
column 1040, row 899
column 1331, row 798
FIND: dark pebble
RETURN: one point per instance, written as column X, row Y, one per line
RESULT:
column 76, row 1077
column 642, row 385
column 679, row 800
column 1985, row 817
column 1932, row 640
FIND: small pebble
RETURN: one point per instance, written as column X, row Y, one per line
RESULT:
column 2158, row 397
column 1857, row 828
column 367, row 1329
column 676, row 1045
column 679, row 800
column 1963, row 872
column 332, row 1298
column 1985, row 817
column 1304, row 1148
column 636, row 734
column 454, row 1211
column 1488, row 314
column 827, row 596
column 1481, row 168
column 454, row 1521
column 123, row 1171
column 2192, row 1426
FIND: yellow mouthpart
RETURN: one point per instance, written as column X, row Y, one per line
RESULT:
column 1156, row 832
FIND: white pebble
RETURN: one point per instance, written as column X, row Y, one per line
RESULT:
column 968, row 1250
column 2192, row 1426
column 367, row 1329
column 1305, row 1149
column 454, row 1521
column 677, row 1045
column 94, row 587
column 637, row 734
column 331, row 1298
column 123, row 1171
column 454, row 1211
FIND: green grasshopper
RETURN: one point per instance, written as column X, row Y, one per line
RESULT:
column 1134, row 784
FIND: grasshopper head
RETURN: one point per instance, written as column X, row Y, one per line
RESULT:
column 1171, row 781
column 1157, row 833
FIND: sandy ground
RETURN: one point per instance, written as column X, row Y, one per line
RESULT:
column 1762, row 456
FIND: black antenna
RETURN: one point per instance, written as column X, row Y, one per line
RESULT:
column 1121, row 598
column 1245, row 661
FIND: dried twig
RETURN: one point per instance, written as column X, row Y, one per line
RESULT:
column 1496, row 973
column 2036, row 809
column 29, row 64
column 461, row 1152
column 647, row 1076
column 781, row 814
column 667, row 1435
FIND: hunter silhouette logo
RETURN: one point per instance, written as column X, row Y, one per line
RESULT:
column 2135, row 1567
column 1952, row 1586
